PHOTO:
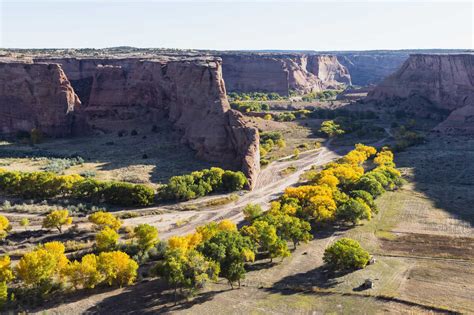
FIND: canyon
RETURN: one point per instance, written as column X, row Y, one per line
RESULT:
column 429, row 82
column 283, row 73
column 115, row 94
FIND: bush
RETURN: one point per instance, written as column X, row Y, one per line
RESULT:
column 252, row 211
column 285, row 117
column 106, row 239
column 233, row 181
column 346, row 254
column 48, row 185
column 201, row 183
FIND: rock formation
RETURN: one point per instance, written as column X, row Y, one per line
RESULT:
column 281, row 73
column 36, row 96
column 367, row 67
column 134, row 93
column 445, row 82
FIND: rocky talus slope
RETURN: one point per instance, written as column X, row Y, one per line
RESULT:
column 133, row 93
column 443, row 82
column 281, row 73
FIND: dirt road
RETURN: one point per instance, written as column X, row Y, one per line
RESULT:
column 270, row 184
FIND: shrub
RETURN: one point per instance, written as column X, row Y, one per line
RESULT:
column 285, row 117
column 106, row 239
column 233, row 181
column 117, row 268
column 48, row 185
column 331, row 129
column 346, row 254
column 105, row 219
column 201, row 183
column 5, row 227
column 252, row 211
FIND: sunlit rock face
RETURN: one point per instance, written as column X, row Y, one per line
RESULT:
column 444, row 82
column 128, row 93
column 282, row 73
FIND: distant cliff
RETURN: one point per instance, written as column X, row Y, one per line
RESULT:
column 134, row 93
column 280, row 73
column 444, row 82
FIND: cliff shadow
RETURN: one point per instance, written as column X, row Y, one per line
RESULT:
column 138, row 154
column 443, row 170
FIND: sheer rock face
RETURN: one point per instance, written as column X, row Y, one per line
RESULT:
column 281, row 73
column 445, row 81
column 36, row 96
column 133, row 93
column 368, row 68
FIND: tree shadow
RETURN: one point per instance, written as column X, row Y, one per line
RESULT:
column 135, row 154
column 149, row 297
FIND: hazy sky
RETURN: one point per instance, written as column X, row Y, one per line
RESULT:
column 311, row 25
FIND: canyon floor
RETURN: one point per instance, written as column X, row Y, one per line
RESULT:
column 423, row 242
column 422, row 238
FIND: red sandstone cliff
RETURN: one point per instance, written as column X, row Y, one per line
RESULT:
column 131, row 93
column 280, row 73
column 36, row 96
column 445, row 81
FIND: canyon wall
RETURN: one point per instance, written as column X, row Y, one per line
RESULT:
column 36, row 96
column 280, row 73
column 134, row 93
column 368, row 68
column 443, row 82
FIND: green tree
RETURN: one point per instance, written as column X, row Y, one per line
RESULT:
column 147, row 236
column 265, row 235
column 231, row 250
column 252, row 212
column 24, row 222
column 232, row 181
column 346, row 254
column 290, row 228
column 331, row 128
column 186, row 269
column 353, row 211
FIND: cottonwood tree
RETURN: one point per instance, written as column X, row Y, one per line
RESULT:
column 231, row 250
column 57, row 219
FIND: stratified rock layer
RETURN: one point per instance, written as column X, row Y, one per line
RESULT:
column 132, row 93
column 281, row 73
column 446, row 82
column 36, row 96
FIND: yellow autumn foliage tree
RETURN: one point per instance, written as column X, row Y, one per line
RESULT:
column 102, row 219
column 42, row 265
column 57, row 219
column 5, row 227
